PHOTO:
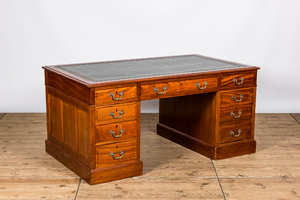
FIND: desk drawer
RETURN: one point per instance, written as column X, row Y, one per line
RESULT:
column 116, row 154
column 193, row 86
column 237, row 114
column 116, row 132
column 236, row 97
column 235, row 132
column 115, row 95
column 238, row 80
column 115, row 114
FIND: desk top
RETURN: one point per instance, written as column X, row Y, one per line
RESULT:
column 111, row 71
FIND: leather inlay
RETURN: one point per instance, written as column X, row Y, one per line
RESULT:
column 144, row 68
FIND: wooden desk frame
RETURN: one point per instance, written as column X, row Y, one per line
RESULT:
column 214, row 119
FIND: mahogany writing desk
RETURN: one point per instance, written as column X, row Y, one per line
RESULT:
column 93, row 111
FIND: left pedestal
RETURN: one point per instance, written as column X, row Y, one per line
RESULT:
column 95, row 144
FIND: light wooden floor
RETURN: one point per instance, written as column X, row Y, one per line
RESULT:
column 170, row 171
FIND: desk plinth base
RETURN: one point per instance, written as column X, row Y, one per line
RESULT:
column 213, row 152
column 94, row 176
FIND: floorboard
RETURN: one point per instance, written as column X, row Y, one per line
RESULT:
column 153, row 188
column 296, row 116
column 38, row 188
column 170, row 171
column 261, row 188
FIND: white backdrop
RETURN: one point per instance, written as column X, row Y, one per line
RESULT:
column 34, row 33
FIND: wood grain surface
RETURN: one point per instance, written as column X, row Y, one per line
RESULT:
column 296, row 116
column 104, row 159
column 249, row 80
column 129, row 113
column 226, row 117
column 227, row 100
column 103, row 96
column 122, row 131
column 1, row 115
column 154, row 188
column 170, row 170
column 261, row 188
column 225, row 132
column 178, row 87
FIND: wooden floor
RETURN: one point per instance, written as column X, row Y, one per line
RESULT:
column 170, row 171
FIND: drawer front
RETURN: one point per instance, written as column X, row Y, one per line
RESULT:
column 116, row 132
column 236, row 97
column 179, row 87
column 116, row 154
column 115, row 95
column 235, row 132
column 115, row 114
column 238, row 80
column 237, row 114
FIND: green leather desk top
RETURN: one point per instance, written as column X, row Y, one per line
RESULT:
column 146, row 68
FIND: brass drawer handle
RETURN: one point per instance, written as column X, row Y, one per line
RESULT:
column 112, row 154
column 201, row 88
column 240, row 83
column 114, row 134
column 235, row 117
column 164, row 90
column 232, row 133
column 112, row 114
column 116, row 99
column 234, row 98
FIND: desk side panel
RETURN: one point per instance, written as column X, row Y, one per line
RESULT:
column 69, row 126
column 69, row 87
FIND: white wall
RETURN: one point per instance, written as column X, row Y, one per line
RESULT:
column 34, row 33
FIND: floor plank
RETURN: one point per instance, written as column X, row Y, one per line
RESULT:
column 22, row 149
column 30, row 189
column 261, row 188
column 163, row 158
column 23, row 118
column 296, row 116
column 1, row 115
column 153, row 188
column 170, row 170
